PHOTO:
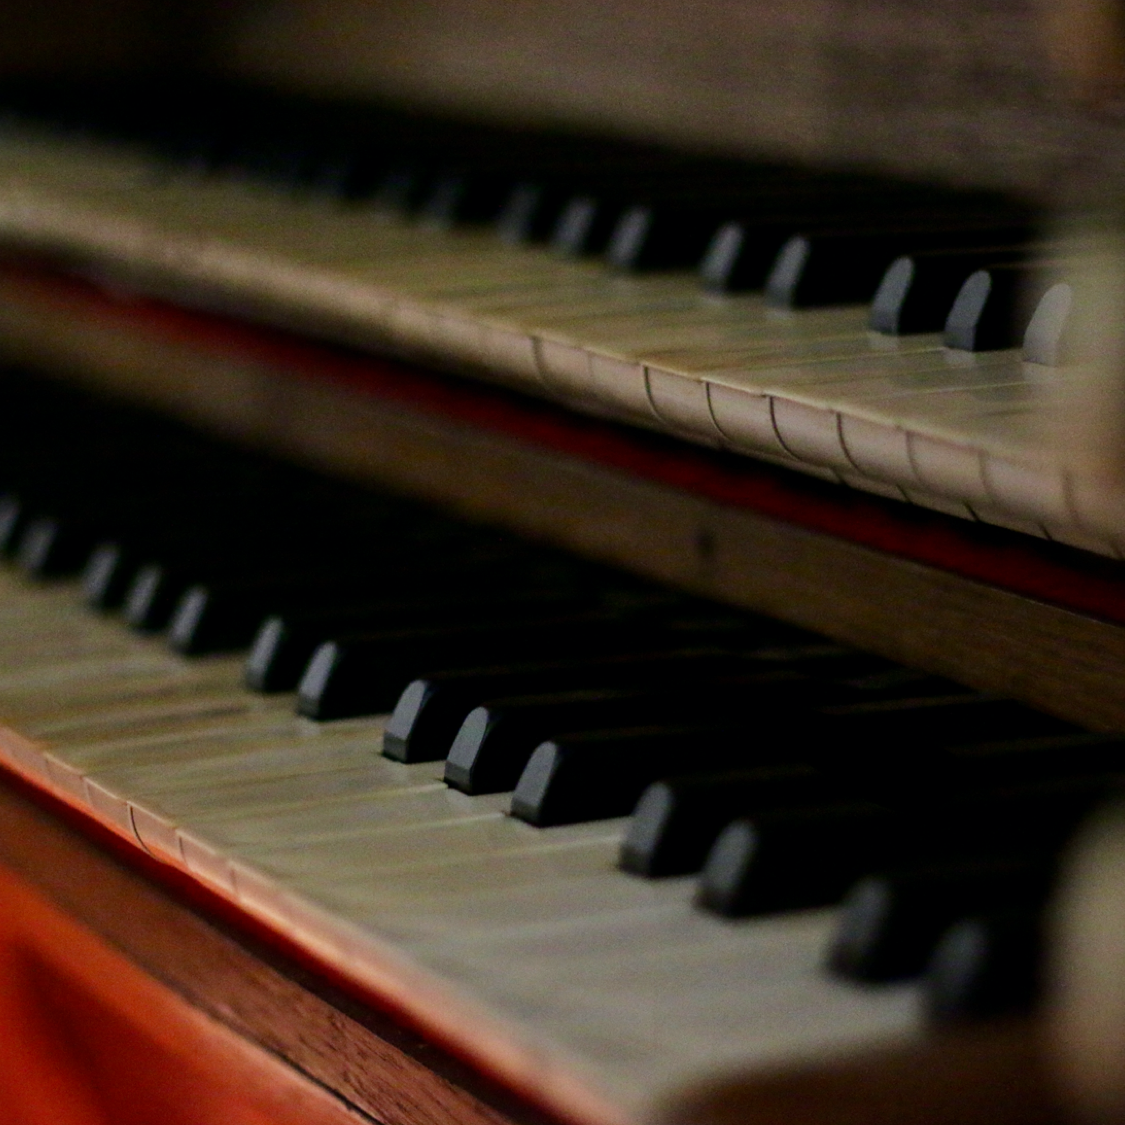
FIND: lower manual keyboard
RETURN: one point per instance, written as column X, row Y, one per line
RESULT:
column 524, row 947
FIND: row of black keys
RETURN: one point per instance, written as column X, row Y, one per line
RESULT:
column 779, row 766
column 928, row 259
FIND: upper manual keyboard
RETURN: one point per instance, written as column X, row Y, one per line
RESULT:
column 720, row 300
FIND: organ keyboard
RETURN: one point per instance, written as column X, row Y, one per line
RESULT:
column 605, row 996
column 813, row 389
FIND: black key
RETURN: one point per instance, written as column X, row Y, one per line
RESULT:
column 496, row 739
column 739, row 257
column 400, row 189
column 986, row 966
column 744, row 250
column 222, row 616
column 589, row 219
column 842, row 267
column 1034, row 817
column 494, row 743
column 695, row 680
column 157, row 590
column 890, row 923
column 282, row 525
column 107, row 575
column 466, row 196
column 13, row 521
column 839, row 740
column 662, row 236
column 741, row 252
column 283, row 645
column 602, row 774
column 570, row 188
column 285, row 642
column 217, row 617
column 349, row 675
column 159, row 586
column 677, row 820
column 918, row 290
column 431, row 710
column 1050, row 337
column 1043, row 760
column 365, row 675
column 90, row 511
column 54, row 547
column 532, row 211
column 586, row 224
column 881, row 737
column 793, row 858
column 993, row 307
column 152, row 595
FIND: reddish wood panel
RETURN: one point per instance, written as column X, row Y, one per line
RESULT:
column 89, row 1039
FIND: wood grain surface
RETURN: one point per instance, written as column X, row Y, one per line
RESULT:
column 1019, row 94
column 976, row 92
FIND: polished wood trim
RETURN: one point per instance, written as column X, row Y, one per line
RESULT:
column 372, row 1065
